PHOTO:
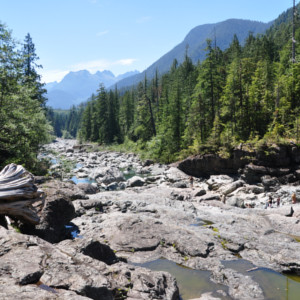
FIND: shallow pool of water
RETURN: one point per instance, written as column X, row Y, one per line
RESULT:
column 275, row 286
column 128, row 173
column 78, row 165
column 73, row 230
column 201, row 222
column 82, row 180
column 296, row 238
column 191, row 283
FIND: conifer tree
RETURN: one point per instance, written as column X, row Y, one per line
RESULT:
column 23, row 125
column 102, row 115
column 31, row 77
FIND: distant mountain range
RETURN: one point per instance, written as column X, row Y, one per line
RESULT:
column 221, row 32
column 77, row 87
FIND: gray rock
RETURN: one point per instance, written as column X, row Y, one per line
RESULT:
column 135, row 181
column 235, row 201
column 148, row 162
column 210, row 196
column 174, row 175
column 198, row 193
column 88, row 188
column 231, row 187
column 58, row 272
column 107, row 175
column 112, row 186
column 180, row 185
column 177, row 196
column 255, row 189
column 56, row 212
column 144, row 224
column 269, row 181
column 216, row 181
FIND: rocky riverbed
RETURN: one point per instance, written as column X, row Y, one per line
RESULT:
column 129, row 229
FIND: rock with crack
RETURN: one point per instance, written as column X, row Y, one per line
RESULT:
column 54, row 272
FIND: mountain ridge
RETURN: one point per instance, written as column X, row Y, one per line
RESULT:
column 78, row 86
column 196, row 40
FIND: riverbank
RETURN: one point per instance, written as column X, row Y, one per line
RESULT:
column 131, row 214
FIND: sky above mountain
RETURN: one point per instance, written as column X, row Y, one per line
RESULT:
column 118, row 35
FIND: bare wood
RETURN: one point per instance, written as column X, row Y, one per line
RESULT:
column 18, row 192
column 20, row 209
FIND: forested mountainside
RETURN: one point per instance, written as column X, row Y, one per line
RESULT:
column 248, row 93
column 220, row 33
column 77, row 87
column 245, row 93
column 23, row 125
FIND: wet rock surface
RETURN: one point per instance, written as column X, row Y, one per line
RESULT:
column 198, row 226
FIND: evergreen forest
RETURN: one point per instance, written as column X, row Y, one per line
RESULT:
column 23, row 123
column 247, row 93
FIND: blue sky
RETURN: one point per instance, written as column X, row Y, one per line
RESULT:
column 118, row 35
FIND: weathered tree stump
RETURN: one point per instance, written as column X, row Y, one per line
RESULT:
column 18, row 193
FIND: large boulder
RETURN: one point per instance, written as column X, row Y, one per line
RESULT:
column 107, row 175
column 217, row 181
column 88, row 188
column 274, row 160
column 56, row 212
column 210, row 164
column 231, row 187
column 174, row 175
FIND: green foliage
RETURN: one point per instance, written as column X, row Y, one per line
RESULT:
column 247, row 93
column 16, row 228
column 66, row 134
column 23, row 125
column 66, row 122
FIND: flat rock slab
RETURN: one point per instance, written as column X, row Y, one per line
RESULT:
column 56, row 273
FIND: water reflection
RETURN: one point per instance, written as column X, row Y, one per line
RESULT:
column 201, row 222
column 82, row 180
column 275, row 286
column 191, row 283
column 73, row 230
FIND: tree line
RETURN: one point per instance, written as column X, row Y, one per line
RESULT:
column 246, row 93
column 23, row 123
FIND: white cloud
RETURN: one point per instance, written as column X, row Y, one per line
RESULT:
column 125, row 62
column 143, row 19
column 96, row 65
column 101, row 33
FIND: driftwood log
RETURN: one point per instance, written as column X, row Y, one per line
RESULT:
column 18, row 193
